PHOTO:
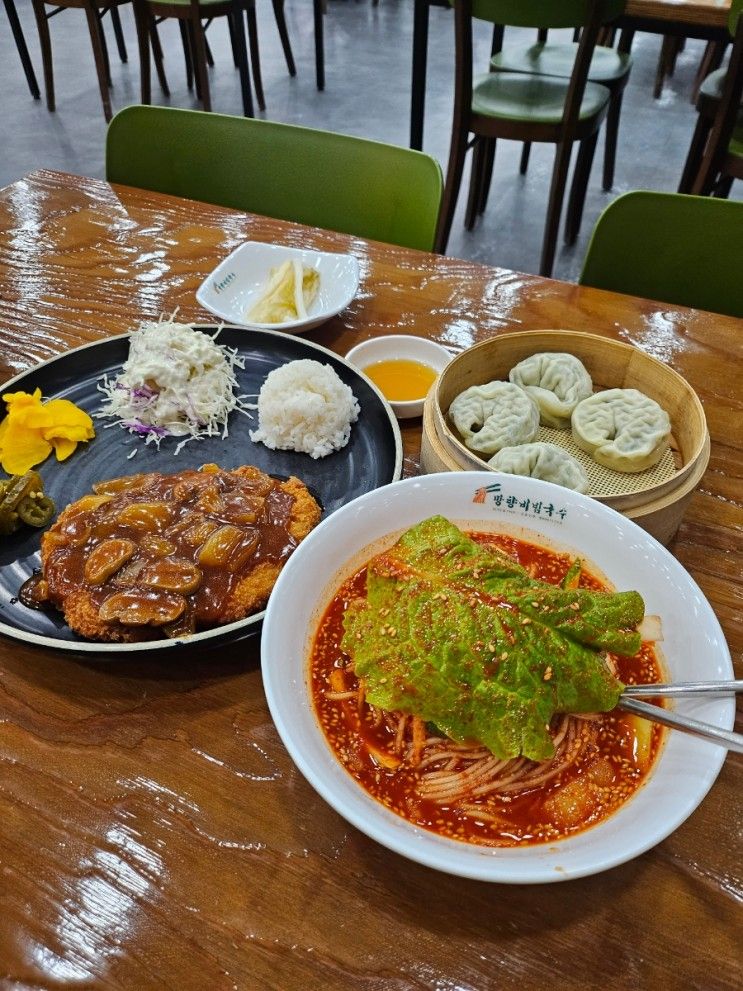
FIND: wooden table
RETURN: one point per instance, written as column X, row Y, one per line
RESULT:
column 689, row 15
column 677, row 20
column 154, row 832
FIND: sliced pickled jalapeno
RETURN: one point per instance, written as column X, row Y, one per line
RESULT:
column 36, row 509
column 22, row 500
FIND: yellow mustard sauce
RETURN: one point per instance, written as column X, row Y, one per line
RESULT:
column 400, row 379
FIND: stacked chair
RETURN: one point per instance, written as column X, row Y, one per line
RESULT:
column 715, row 156
column 191, row 15
column 94, row 10
column 527, row 107
column 609, row 67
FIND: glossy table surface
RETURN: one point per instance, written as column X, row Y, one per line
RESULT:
column 153, row 831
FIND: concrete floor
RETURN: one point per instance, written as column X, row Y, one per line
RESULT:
column 367, row 92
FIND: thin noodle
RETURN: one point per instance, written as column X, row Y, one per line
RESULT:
column 460, row 769
column 400, row 734
column 458, row 772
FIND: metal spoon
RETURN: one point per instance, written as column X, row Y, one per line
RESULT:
column 681, row 688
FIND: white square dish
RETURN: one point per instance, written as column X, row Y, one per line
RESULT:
column 231, row 289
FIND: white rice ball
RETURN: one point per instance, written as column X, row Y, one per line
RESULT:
column 304, row 406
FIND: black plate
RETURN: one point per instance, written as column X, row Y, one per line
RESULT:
column 373, row 457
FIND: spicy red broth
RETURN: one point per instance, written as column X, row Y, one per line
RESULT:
column 461, row 791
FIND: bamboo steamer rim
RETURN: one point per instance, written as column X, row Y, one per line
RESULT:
column 661, row 517
column 577, row 343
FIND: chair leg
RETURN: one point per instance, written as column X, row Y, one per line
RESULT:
column 496, row 45
column 476, row 173
column 241, row 50
column 677, row 47
column 626, row 37
column 100, row 56
column 278, row 11
column 45, row 43
column 198, row 54
column 255, row 56
column 20, row 43
column 487, row 174
column 157, row 54
column 610, row 139
column 577, row 198
column 207, row 48
column 554, row 208
column 711, row 60
column 187, row 60
column 319, row 44
column 231, row 29
column 723, row 187
column 457, row 155
column 666, row 63
column 696, row 153
column 119, row 34
column 525, row 152
column 104, row 47
column 142, row 26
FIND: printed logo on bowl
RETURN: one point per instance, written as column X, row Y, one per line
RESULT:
column 528, row 508
column 222, row 284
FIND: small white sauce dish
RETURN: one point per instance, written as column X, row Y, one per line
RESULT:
column 233, row 287
column 401, row 346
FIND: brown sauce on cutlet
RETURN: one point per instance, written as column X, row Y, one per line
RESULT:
column 166, row 550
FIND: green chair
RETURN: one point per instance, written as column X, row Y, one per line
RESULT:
column 609, row 67
column 684, row 250
column 527, row 107
column 715, row 156
column 341, row 183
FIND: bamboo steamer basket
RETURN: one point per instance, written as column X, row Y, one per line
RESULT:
column 660, row 505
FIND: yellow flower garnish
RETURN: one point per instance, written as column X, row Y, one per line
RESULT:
column 32, row 430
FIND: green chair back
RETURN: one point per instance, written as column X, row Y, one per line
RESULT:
column 543, row 13
column 341, row 183
column 685, row 250
column 736, row 10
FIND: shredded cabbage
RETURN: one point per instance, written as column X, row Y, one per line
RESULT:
column 176, row 382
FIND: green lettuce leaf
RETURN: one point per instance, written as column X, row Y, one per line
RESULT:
column 462, row 636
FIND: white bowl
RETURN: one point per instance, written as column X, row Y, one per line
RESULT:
column 693, row 648
column 234, row 285
column 401, row 346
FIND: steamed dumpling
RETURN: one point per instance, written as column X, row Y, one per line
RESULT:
column 545, row 461
column 622, row 429
column 557, row 383
column 493, row 416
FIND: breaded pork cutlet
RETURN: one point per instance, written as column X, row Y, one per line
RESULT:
column 152, row 556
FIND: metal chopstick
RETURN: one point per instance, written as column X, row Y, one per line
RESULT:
column 722, row 737
column 681, row 688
